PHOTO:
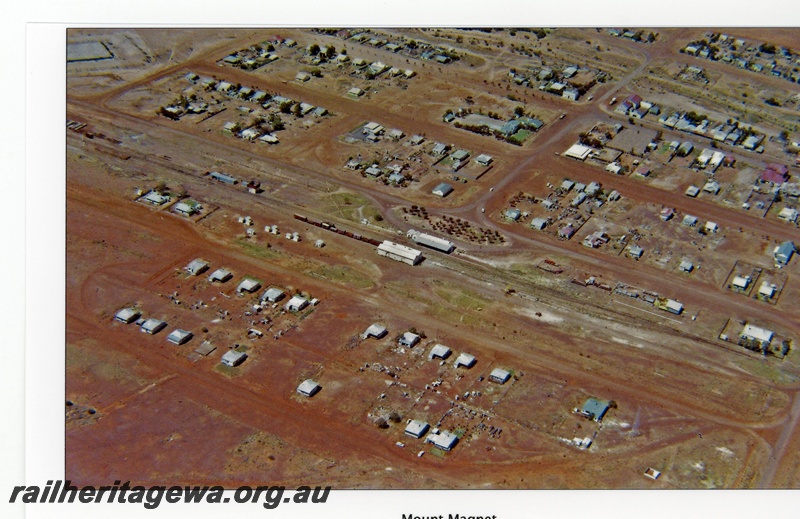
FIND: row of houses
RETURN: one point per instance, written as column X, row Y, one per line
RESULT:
column 732, row 134
column 761, row 58
column 248, row 285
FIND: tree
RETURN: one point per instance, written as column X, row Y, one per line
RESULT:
column 313, row 49
column 784, row 135
column 785, row 345
column 519, row 111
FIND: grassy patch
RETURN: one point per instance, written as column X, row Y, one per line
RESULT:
column 227, row 370
column 343, row 275
column 351, row 206
column 520, row 136
column 769, row 370
column 256, row 250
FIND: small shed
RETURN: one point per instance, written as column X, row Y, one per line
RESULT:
column 512, row 214
column 233, row 358
column 308, row 388
column 499, row 375
column 375, row 330
column 686, row 266
column 152, row 326
column 179, row 336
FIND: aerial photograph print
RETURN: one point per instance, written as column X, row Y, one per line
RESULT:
column 464, row 258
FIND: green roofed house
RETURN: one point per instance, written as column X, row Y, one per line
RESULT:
column 594, row 409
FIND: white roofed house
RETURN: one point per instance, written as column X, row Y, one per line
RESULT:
column 296, row 303
column 416, row 428
column 273, row 295
column 308, row 388
column 233, row 358
column 152, row 326
column 766, row 290
column 464, row 360
column 179, row 336
column 442, row 189
column 156, row 198
column 127, row 315
column 440, row 351
column 756, row 336
column 250, row 134
column 220, row 275
column 408, row 339
column 187, row 207
column 483, row 159
column 499, row 375
column 375, row 330
column 788, row 214
column 444, row 440
column 248, row 285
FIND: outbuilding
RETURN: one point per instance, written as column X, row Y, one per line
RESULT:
column 500, row 376
column 308, row 388
column 686, row 266
column 233, row 358
column 152, row 326
column 179, row 336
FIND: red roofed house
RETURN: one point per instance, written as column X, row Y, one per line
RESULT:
column 774, row 174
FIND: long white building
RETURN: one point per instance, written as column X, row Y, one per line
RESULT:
column 431, row 241
column 399, row 252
